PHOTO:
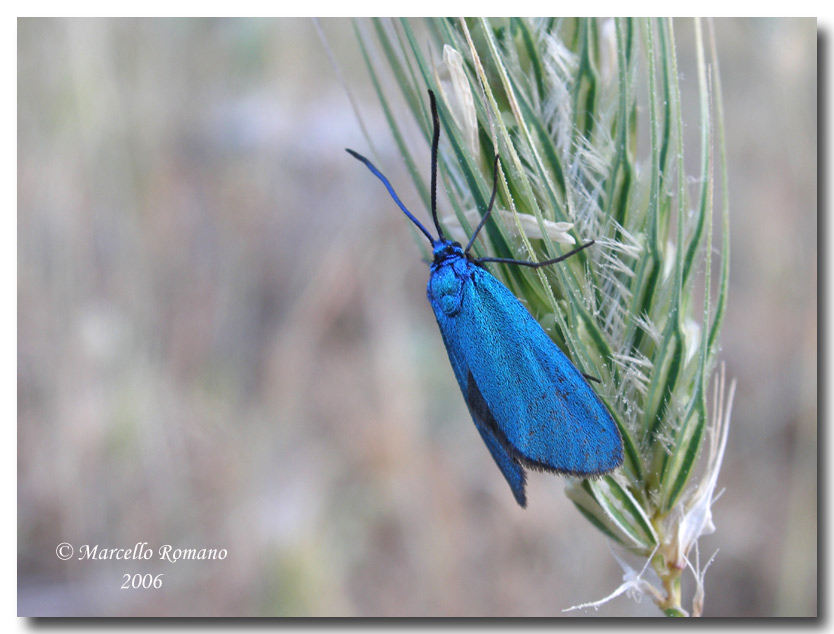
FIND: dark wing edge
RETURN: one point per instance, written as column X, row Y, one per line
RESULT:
column 496, row 442
column 485, row 423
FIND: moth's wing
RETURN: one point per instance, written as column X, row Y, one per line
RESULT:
column 542, row 410
column 482, row 417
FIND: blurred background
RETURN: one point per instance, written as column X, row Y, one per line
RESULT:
column 224, row 341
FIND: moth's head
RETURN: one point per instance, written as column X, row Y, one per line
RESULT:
column 445, row 250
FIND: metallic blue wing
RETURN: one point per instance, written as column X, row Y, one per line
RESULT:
column 486, row 424
column 490, row 432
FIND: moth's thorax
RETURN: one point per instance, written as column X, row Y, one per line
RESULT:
column 448, row 271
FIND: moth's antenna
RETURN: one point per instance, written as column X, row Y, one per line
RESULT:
column 489, row 208
column 434, row 143
column 535, row 265
column 391, row 191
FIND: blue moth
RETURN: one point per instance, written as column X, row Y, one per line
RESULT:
column 531, row 405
